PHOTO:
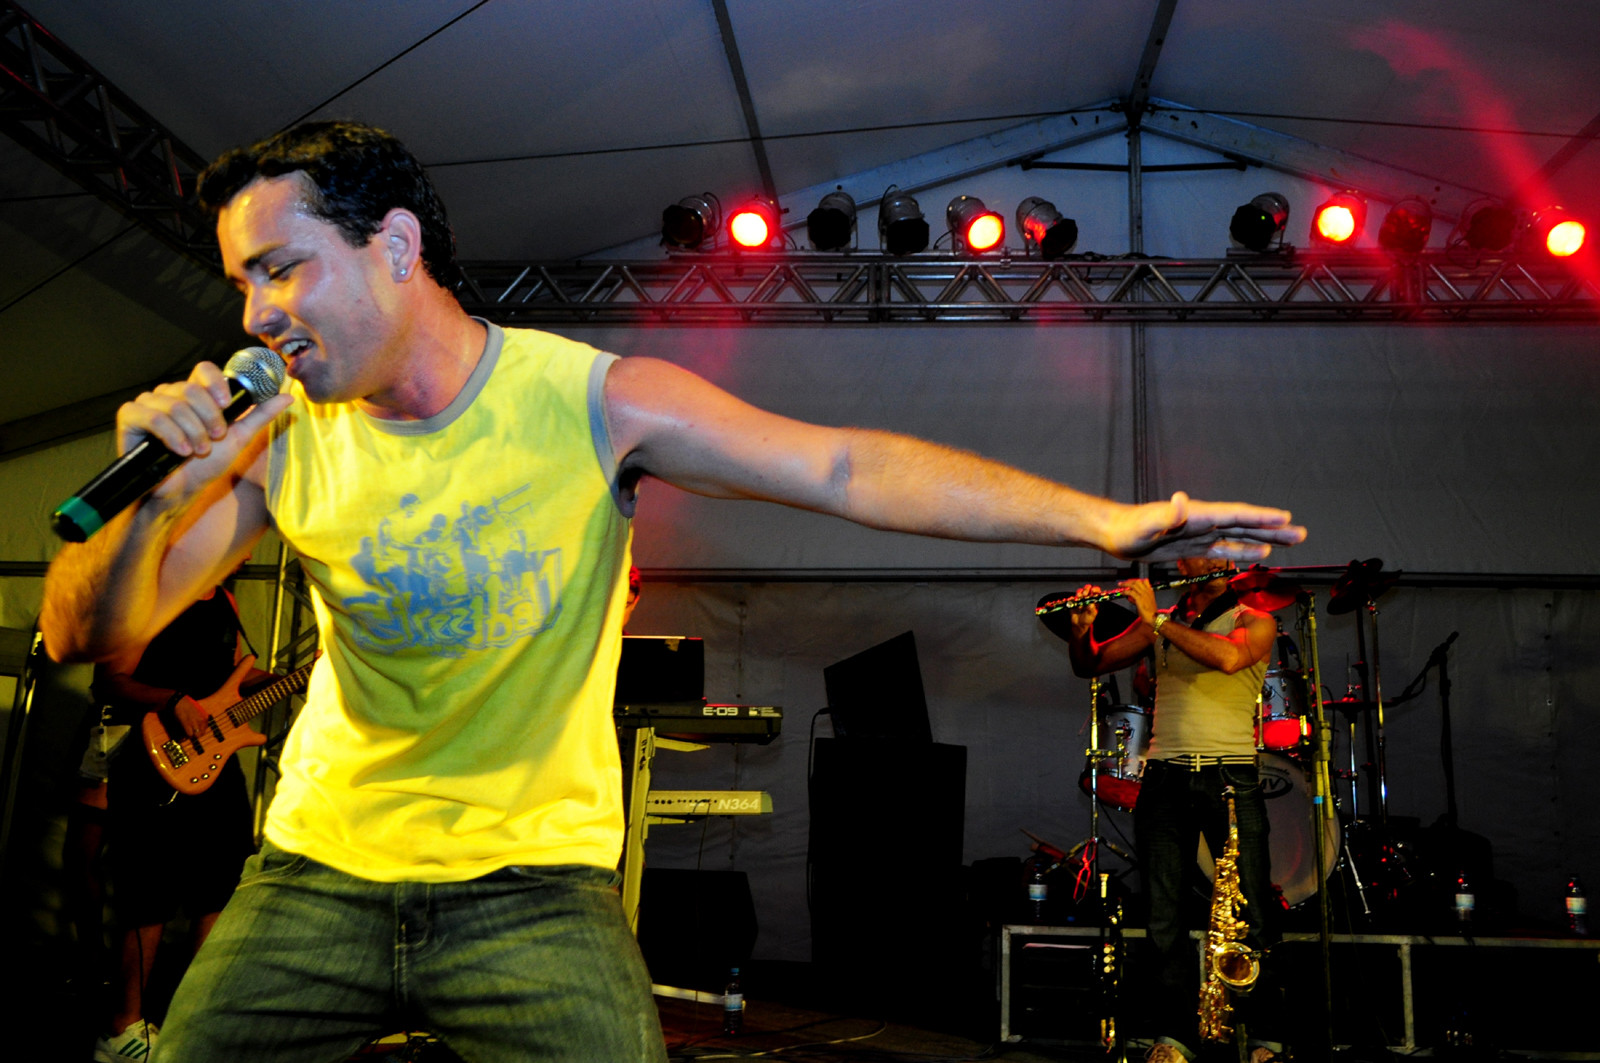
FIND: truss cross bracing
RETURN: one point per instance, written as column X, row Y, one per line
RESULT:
column 67, row 113
column 770, row 289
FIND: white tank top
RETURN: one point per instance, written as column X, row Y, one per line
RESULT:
column 1202, row 711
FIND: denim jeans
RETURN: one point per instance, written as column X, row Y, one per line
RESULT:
column 1176, row 805
column 307, row 963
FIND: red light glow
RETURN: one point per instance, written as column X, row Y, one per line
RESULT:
column 1565, row 238
column 1336, row 223
column 985, row 232
column 749, row 229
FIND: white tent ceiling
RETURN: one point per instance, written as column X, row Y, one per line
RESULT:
column 557, row 130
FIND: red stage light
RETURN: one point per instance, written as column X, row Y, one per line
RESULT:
column 1555, row 231
column 1565, row 238
column 1407, row 226
column 985, row 232
column 691, row 221
column 1486, row 225
column 753, row 224
column 1339, row 220
column 974, row 224
column 1043, row 226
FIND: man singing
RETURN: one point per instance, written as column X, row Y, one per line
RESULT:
column 1210, row 661
column 442, row 846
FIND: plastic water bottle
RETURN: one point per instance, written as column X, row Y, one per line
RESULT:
column 1038, row 893
column 1466, row 902
column 733, row 1004
column 1577, row 908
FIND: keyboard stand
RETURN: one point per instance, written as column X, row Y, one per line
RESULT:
column 645, row 744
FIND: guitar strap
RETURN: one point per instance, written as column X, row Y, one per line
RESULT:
column 240, row 624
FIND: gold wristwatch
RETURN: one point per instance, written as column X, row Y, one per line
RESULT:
column 1161, row 618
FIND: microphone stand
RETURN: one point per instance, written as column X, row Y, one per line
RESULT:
column 1112, row 1034
column 1322, row 811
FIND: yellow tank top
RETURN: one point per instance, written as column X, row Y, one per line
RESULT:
column 469, row 573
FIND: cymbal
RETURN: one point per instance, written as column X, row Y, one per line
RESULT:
column 1263, row 589
column 1363, row 582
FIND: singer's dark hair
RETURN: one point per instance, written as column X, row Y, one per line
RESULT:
column 358, row 173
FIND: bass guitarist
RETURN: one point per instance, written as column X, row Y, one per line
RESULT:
column 148, row 826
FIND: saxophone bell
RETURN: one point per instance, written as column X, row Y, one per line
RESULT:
column 1237, row 965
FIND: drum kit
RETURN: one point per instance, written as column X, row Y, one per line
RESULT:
column 1308, row 838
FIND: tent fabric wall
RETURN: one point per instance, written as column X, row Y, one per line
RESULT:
column 1448, row 450
column 1442, row 450
column 1525, row 715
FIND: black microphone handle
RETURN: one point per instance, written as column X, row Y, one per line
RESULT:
column 129, row 479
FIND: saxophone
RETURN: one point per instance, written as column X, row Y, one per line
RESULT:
column 1230, row 964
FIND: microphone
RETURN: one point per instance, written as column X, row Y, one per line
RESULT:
column 254, row 374
column 1439, row 651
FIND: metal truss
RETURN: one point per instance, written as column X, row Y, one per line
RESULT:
column 1438, row 288
column 63, row 110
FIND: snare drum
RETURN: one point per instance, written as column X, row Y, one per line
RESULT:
column 1290, row 843
column 1120, row 775
column 1281, row 722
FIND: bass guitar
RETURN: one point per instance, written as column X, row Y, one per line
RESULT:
column 191, row 764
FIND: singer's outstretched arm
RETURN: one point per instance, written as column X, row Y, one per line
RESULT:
column 116, row 591
column 678, row 427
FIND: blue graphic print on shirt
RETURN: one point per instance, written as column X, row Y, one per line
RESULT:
column 456, row 585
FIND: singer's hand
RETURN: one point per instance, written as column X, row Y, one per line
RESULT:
column 186, row 416
column 1185, row 527
column 1142, row 596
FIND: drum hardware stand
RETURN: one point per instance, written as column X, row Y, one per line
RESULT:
column 1090, row 846
column 1377, row 699
column 1362, row 584
column 1352, row 692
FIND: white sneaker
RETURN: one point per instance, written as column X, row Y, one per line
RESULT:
column 134, row 1043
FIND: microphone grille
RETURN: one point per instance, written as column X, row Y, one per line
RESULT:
column 258, row 370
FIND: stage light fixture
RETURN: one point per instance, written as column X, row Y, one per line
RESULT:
column 1555, row 231
column 691, row 221
column 1407, row 226
column 1485, row 225
column 1259, row 222
column 974, row 225
column 754, row 224
column 902, row 230
column 1340, row 220
column 832, row 225
column 1044, row 226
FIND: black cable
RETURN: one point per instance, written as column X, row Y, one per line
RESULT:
column 723, row 141
column 1437, row 127
column 387, row 62
column 51, row 195
column 74, row 264
column 811, row 746
column 1022, row 116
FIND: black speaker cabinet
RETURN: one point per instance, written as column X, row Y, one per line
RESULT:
column 695, row 925
column 886, row 884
